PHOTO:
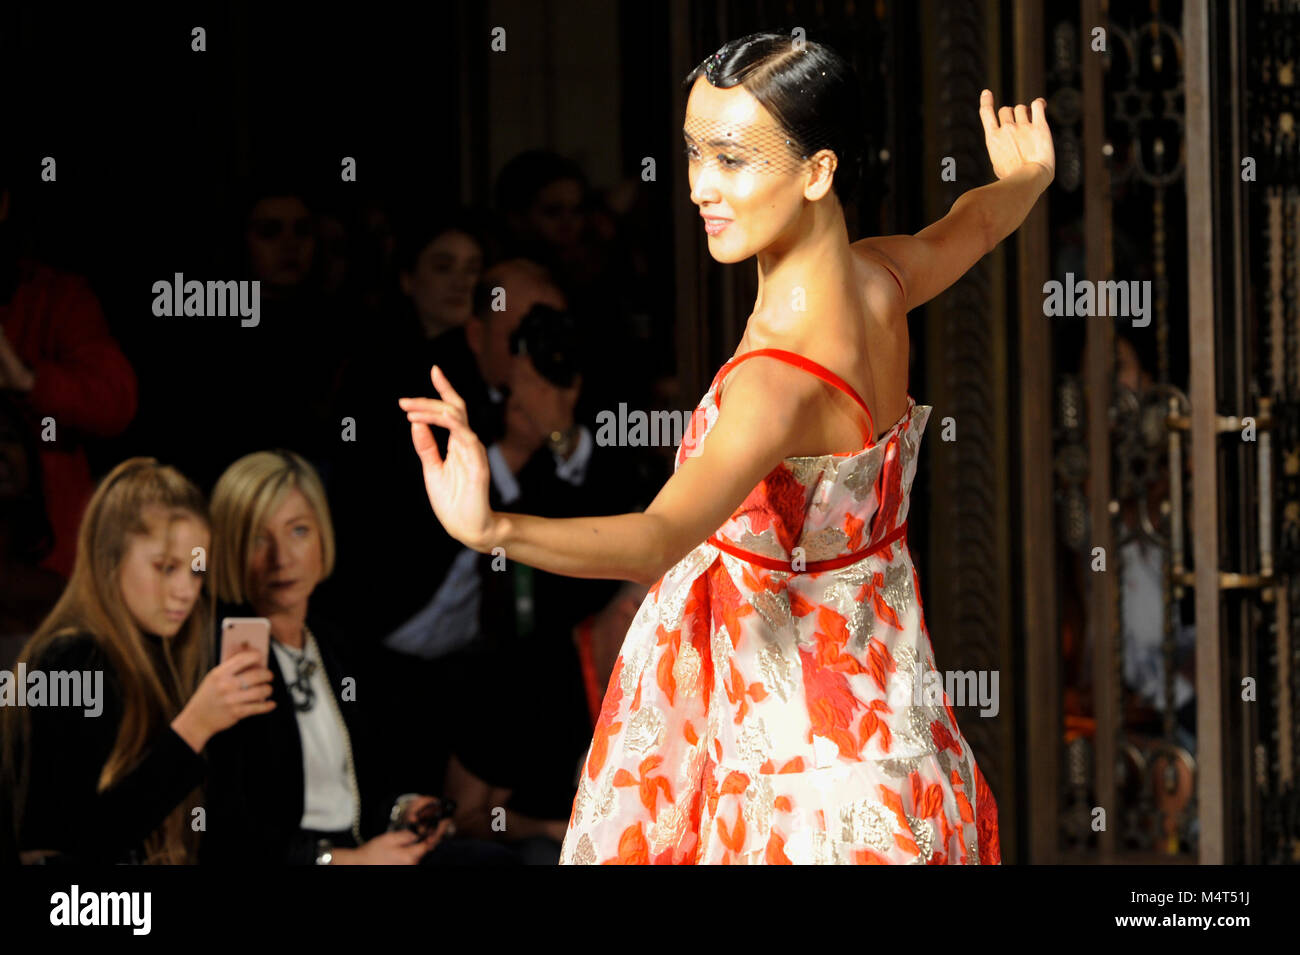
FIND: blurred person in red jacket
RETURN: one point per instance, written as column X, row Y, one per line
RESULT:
column 59, row 360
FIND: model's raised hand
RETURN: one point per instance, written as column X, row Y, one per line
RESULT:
column 1017, row 138
column 457, row 486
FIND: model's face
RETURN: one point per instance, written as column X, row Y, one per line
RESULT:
column 281, row 241
column 287, row 557
column 741, row 171
column 159, row 584
column 442, row 284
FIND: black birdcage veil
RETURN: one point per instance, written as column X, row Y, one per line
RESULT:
column 748, row 147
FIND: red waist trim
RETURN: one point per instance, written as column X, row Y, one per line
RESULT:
column 811, row 566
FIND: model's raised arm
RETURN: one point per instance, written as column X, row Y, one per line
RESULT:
column 1020, row 149
column 759, row 422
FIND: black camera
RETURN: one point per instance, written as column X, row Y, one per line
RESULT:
column 550, row 338
column 428, row 818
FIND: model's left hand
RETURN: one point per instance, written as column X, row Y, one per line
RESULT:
column 1015, row 139
column 458, row 486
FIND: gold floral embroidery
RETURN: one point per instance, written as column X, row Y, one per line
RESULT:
column 824, row 544
column 944, row 758
column 777, row 671
column 923, row 835
column 668, row 828
column 919, row 719
column 913, row 737
column 759, row 804
column 677, row 585
column 907, row 449
column 646, row 729
column 900, row 768
column 905, row 658
column 862, row 627
column 764, row 544
column 868, row 823
column 686, row 668
column 861, row 478
column 604, row 804
column 636, row 654
column 841, row 596
column 774, row 608
column 806, row 470
column 967, row 779
column 824, row 852
column 585, row 854
column 753, row 743
column 580, row 802
column 897, row 589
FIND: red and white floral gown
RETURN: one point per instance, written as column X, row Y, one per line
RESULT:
column 762, row 707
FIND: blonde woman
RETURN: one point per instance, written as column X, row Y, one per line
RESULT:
column 304, row 785
column 114, row 776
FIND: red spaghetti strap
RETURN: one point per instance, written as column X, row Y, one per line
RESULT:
column 807, row 364
column 897, row 281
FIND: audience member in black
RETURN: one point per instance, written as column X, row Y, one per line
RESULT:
column 553, row 217
column 544, row 458
column 266, row 384
column 541, row 198
column 582, row 477
column 437, row 256
column 547, row 463
column 524, row 749
column 310, row 782
column 396, row 521
column 440, row 260
column 112, row 775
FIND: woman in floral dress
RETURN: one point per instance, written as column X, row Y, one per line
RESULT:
column 776, row 699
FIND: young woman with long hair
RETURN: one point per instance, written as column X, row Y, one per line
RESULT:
column 116, row 778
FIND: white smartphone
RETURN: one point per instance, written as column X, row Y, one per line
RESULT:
column 245, row 633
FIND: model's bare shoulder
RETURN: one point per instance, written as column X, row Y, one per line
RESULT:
column 881, row 282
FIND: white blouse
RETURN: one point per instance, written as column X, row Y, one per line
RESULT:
column 327, row 792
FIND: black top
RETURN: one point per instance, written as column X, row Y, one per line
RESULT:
column 532, row 731
column 391, row 546
column 255, row 792
column 68, row 750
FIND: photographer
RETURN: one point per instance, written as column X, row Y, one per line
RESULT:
column 528, row 622
column 516, row 432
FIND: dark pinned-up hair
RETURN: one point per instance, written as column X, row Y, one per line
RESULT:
column 812, row 91
column 418, row 229
column 528, row 173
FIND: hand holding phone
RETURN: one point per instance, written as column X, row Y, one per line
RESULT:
column 246, row 633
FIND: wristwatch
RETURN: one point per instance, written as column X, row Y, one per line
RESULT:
column 397, row 815
column 324, row 852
